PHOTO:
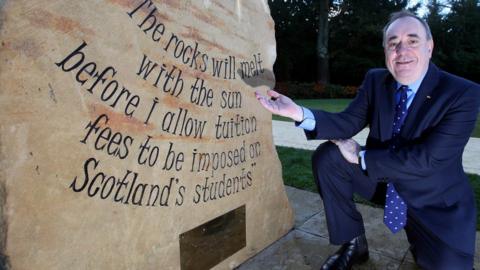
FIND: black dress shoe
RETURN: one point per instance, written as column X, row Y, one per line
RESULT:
column 351, row 253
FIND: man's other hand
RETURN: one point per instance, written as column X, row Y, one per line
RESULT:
column 281, row 105
column 349, row 149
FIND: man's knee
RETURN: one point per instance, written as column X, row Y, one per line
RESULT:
column 325, row 156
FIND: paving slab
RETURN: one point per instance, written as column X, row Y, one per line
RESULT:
column 301, row 250
column 379, row 238
column 307, row 245
column 296, row 250
column 409, row 265
column 409, row 262
column 305, row 204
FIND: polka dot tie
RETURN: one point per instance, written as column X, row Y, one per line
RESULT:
column 395, row 215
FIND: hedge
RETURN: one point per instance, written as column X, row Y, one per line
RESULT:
column 300, row 90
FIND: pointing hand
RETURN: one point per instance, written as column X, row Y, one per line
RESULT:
column 281, row 105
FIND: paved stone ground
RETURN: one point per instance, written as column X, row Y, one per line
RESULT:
column 307, row 246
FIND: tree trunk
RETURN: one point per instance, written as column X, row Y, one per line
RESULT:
column 322, row 44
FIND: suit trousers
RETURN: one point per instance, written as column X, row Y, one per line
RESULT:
column 337, row 180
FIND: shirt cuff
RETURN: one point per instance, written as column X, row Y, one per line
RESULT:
column 361, row 154
column 308, row 122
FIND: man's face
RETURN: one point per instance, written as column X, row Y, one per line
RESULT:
column 407, row 50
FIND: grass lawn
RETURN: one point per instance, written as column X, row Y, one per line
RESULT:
column 337, row 105
column 297, row 172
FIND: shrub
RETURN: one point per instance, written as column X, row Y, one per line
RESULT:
column 302, row 90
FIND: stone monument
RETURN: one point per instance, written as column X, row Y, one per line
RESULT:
column 130, row 137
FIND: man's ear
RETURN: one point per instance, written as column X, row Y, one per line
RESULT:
column 430, row 46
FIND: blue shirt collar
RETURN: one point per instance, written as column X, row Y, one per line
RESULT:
column 415, row 85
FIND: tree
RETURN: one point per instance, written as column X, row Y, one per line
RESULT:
column 436, row 21
column 356, row 37
column 295, row 32
column 463, row 39
column 323, row 72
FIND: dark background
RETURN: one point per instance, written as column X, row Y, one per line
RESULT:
column 324, row 48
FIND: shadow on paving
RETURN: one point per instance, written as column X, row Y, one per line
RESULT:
column 307, row 246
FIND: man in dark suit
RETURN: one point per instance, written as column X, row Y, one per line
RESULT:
column 420, row 119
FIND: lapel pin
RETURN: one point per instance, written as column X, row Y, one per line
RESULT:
column 429, row 97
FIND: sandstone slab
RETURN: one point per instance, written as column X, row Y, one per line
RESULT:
column 130, row 137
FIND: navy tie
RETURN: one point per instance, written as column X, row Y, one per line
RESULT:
column 395, row 215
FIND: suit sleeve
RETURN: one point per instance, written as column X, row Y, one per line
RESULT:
column 345, row 124
column 443, row 144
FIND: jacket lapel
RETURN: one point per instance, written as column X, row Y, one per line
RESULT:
column 421, row 102
column 387, row 109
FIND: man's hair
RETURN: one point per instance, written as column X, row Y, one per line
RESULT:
column 402, row 14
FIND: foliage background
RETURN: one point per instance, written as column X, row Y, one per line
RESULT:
column 355, row 41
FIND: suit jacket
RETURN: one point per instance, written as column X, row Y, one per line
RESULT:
column 426, row 169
